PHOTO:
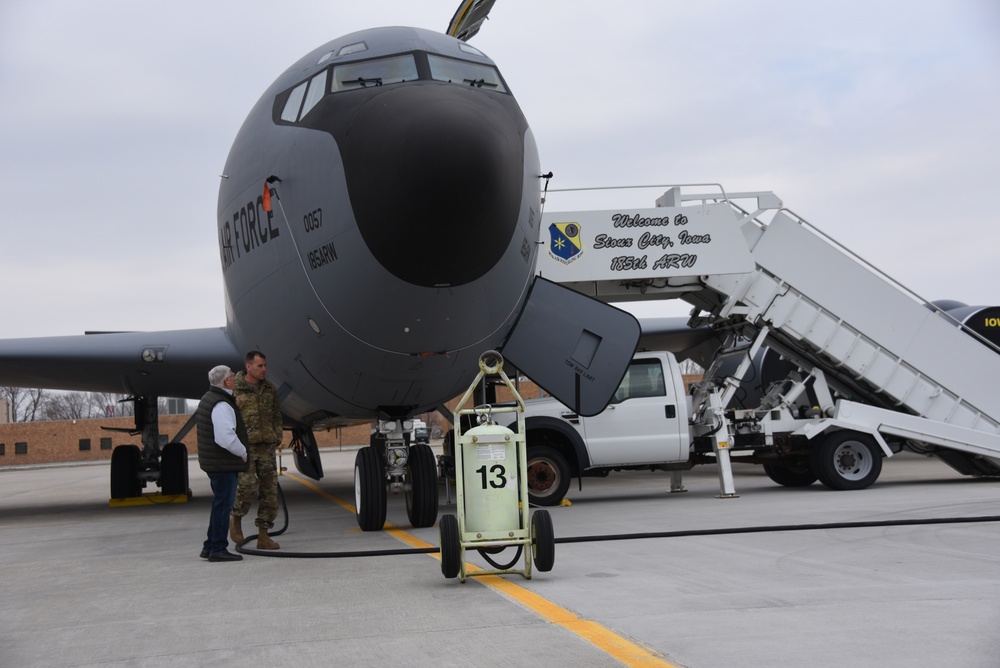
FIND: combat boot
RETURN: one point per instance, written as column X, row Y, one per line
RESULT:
column 235, row 530
column 264, row 541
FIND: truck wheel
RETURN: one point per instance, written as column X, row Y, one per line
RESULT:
column 548, row 476
column 847, row 460
column 800, row 475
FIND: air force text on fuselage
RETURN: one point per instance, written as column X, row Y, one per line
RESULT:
column 250, row 228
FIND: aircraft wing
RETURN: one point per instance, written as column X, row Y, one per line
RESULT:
column 166, row 364
column 674, row 335
column 468, row 17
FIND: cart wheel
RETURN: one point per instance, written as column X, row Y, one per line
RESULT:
column 369, row 489
column 451, row 548
column 543, row 540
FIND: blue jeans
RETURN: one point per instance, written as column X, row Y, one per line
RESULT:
column 224, row 488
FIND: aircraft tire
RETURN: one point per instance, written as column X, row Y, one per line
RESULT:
column 847, row 460
column 174, row 469
column 451, row 546
column 369, row 489
column 790, row 476
column 422, row 492
column 543, row 540
column 125, row 461
column 548, row 476
column 448, row 455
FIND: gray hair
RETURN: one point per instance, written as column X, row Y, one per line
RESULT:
column 217, row 376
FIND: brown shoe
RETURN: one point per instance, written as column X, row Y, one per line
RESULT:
column 264, row 541
column 235, row 530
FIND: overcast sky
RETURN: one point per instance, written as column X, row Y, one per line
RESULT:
column 878, row 121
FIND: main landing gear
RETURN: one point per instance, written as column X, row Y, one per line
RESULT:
column 133, row 467
column 389, row 463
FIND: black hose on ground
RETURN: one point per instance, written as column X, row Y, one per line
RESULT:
column 774, row 528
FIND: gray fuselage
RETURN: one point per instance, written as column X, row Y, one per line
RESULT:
column 401, row 238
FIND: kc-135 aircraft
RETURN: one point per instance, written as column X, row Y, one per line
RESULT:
column 377, row 225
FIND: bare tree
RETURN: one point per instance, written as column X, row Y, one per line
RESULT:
column 25, row 403
column 14, row 397
column 107, row 404
column 68, row 406
column 34, row 403
column 30, row 405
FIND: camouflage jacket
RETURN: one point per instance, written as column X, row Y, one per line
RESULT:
column 259, row 407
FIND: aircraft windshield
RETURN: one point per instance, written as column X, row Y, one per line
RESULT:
column 464, row 72
column 351, row 76
column 383, row 71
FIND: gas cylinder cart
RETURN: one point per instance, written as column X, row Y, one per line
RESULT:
column 491, row 488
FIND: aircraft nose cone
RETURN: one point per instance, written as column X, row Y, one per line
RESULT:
column 435, row 174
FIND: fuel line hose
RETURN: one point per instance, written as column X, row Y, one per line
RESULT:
column 683, row 533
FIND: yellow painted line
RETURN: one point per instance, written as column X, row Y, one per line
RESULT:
column 614, row 645
column 148, row 499
column 349, row 507
column 326, row 495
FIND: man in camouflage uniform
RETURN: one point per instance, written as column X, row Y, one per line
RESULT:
column 258, row 403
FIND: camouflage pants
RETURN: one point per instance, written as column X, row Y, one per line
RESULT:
column 259, row 482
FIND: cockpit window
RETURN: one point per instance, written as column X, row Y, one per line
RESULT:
column 313, row 91
column 468, row 48
column 290, row 112
column 464, row 72
column 357, row 47
column 306, row 95
column 351, row 76
column 317, row 89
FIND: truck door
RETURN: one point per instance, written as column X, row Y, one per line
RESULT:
column 641, row 424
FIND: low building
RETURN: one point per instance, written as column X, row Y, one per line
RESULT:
column 23, row 443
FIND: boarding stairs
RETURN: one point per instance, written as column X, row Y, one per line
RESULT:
column 914, row 371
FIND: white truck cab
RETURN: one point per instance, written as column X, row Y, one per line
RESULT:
column 644, row 427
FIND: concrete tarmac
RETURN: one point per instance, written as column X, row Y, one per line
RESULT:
column 89, row 585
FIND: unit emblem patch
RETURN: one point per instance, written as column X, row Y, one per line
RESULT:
column 566, row 245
